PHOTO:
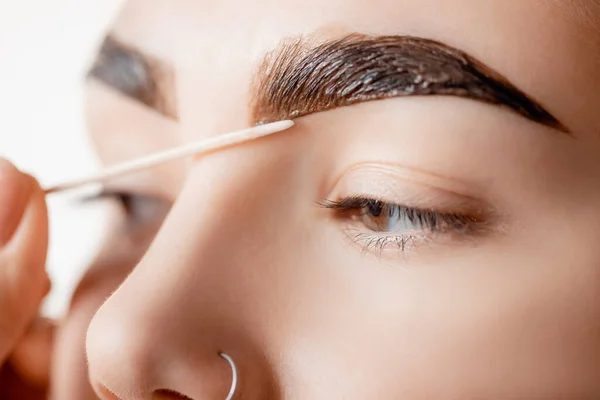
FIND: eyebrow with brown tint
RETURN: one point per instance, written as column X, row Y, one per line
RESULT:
column 297, row 79
column 136, row 75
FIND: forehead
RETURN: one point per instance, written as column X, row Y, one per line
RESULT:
column 158, row 25
column 214, row 47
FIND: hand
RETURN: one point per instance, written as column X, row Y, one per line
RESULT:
column 25, row 340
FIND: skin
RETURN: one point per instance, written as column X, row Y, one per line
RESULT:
column 246, row 263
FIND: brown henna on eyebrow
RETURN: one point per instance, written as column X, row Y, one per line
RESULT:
column 297, row 80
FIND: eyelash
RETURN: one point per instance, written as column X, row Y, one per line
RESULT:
column 428, row 222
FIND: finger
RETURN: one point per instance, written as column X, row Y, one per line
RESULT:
column 29, row 244
column 15, row 191
column 31, row 358
column 23, row 279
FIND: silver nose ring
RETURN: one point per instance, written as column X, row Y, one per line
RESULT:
column 234, row 375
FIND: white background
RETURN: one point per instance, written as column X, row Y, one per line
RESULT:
column 45, row 47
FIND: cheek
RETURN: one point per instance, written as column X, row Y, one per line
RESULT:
column 498, row 319
column 70, row 374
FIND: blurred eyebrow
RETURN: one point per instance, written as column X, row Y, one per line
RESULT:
column 298, row 79
column 136, row 75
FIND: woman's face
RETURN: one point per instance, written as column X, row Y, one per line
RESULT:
column 428, row 230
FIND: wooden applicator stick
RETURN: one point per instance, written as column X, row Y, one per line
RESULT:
column 203, row 146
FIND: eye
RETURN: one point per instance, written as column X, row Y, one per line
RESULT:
column 139, row 210
column 379, row 224
column 381, row 217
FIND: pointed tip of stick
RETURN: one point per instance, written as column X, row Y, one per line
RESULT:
column 274, row 127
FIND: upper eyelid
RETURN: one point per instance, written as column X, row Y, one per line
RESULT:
column 414, row 175
column 410, row 192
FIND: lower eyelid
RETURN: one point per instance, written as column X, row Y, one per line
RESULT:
column 394, row 244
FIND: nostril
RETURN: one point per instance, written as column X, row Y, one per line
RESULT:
column 165, row 394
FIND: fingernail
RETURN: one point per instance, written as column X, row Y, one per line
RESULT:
column 14, row 196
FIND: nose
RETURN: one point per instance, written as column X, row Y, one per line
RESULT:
column 187, row 314
column 141, row 350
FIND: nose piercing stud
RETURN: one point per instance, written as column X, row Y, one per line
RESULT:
column 234, row 374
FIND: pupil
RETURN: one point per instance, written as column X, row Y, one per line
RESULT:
column 375, row 208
